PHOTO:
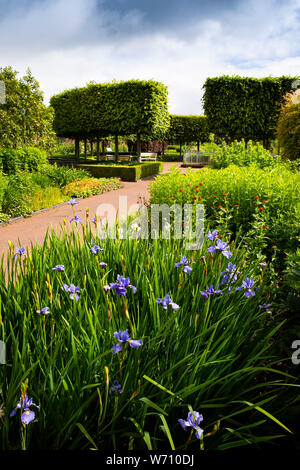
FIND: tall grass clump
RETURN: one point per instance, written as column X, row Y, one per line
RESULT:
column 208, row 348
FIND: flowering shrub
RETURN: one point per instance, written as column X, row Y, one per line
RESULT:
column 91, row 186
column 196, row 341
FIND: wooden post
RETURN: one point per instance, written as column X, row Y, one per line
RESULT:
column 85, row 149
column 138, row 147
column 116, row 148
column 98, row 149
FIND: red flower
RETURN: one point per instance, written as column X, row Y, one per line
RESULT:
column 224, row 194
column 180, row 189
column 197, row 185
column 196, row 190
column 201, row 184
column 265, row 226
column 264, row 200
column 195, row 197
column 256, row 197
column 262, row 209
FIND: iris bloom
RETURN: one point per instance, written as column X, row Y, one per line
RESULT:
column 102, row 264
column 116, row 387
column 222, row 246
column 184, row 262
column 76, row 219
column 27, row 414
column 248, row 285
column 231, row 277
column 44, row 311
column 58, row 267
column 20, row 251
column 193, row 421
column 95, row 249
column 73, row 202
column 72, row 290
column 212, row 235
column 266, row 307
column 123, row 337
column 121, row 285
column 94, row 220
column 210, row 291
column 167, row 301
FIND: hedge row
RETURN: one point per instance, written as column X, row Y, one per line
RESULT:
column 122, row 108
column 184, row 129
column 125, row 172
column 243, row 107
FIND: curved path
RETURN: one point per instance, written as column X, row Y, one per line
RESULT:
column 32, row 229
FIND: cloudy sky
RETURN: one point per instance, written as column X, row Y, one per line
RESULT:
column 68, row 43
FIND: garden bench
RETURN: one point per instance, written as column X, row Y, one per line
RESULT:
column 148, row 156
column 126, row 158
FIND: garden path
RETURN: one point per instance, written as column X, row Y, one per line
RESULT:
column 33, row 229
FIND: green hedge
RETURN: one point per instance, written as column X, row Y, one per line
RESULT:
column 243, row 107
column 99, row 110
column 188, row 129
column 30, row 158
column 126, row 173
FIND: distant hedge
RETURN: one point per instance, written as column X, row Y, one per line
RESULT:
column 126, row 173
column 122, row 108
column 243, row 107
column 184, row 129
column 288, row 129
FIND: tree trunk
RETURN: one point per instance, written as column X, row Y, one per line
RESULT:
column 147, row 146
column 103, row 148
column 116, row 149
column 138, row 147
column 77, row 154
column 98, row 149
column 85, row 149
column 198, row 146
column 91, row 143
column 163, row 148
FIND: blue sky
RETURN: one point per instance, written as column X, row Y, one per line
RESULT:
column 68, row 43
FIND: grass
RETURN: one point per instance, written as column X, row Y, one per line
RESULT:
column 216, row 355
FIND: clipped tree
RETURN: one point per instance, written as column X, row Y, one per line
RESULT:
column 288, row 129
column 185, row 129
column 243, row 107
column 24, row 119
column 120, row 108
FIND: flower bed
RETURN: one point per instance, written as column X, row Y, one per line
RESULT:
column 130, row 343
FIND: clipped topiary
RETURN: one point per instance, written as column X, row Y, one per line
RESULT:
column 288, row 128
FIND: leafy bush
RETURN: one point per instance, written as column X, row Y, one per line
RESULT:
column 288, row 129
column 46, row 197
column 18, row 194
column 242, row 154
column 91, row 186
column 263, row 203
column 127, row 171
column 60, row 175
column 215, row 355
column 24, row 158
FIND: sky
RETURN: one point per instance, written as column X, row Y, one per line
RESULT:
column 68, row 43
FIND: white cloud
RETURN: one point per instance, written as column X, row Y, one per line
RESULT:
column 260, row 40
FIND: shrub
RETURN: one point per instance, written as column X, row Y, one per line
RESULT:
column 18, row 194
column 243, row 107
column 242, row 154
column 188, row 129
column 263, row 203
column 60, row 175
column 24, row 158
column 288, row 130
column 128, row 172
column 91, row 186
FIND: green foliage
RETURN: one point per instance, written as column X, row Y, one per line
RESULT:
column 91, row 186
column 243, row 107
column 24, row 119
column 188, row 129
column 241, row 154
column 54, row 175
column 262, row 204
column 17, row 195
column 217, row 356
column 288, row 130
column 23, row 158
column 101, row 110
column 127, row 172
